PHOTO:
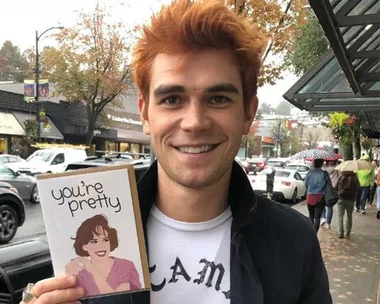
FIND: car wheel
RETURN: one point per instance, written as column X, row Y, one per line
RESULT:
column 294, row 196
column 35, row 198
column 8, row 223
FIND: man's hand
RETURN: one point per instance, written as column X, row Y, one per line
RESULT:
column 60, row 289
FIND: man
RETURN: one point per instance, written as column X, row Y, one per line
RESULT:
column 366, row 178
column 210, row 238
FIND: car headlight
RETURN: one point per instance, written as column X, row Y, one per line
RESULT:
column 13, row 189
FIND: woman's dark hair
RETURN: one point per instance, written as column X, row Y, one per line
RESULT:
column 318, row 163
column 88, row 229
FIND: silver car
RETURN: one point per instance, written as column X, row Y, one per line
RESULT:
column 26, row 185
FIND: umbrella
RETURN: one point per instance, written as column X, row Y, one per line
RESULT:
column 314, row 154
column 354, row 165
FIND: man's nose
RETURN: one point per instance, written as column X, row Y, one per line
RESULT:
column 195, row 117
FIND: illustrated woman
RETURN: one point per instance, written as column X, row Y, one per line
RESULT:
column 98, row 272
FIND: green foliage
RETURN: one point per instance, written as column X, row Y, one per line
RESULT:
column 308, row 46
column 266, row 109
column 90, row 64
column 13, row 64
column 283, row 108
column 341, row 128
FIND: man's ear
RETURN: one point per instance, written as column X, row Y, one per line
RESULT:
column 249, row 114
column 143, row 108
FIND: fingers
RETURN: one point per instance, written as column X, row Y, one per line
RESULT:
column 70, row 295
column 60, row 289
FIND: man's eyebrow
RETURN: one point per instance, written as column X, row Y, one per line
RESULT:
column 168, row 89
column 223, row 87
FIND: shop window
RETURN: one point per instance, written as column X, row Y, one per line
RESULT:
column 3, row 145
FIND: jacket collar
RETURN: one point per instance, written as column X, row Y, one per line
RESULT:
column 241, row 195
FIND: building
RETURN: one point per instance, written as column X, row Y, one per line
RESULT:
column 119, row 128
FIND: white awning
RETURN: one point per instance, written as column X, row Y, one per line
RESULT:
column 51, row 132
column 9, row 125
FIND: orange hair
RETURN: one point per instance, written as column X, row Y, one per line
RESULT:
column 187, row 25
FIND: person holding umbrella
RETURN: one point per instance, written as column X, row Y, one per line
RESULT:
column 315, row 183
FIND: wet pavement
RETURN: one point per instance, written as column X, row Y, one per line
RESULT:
column 353, row 262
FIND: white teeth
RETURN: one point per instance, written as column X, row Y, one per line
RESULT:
column 196, row 150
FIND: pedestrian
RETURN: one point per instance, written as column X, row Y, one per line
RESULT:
column 315, row 183
column 347, row 186
column 366, row 178
column 374, row 185
column 210, row 239
column 270, row 173
column 328, row 211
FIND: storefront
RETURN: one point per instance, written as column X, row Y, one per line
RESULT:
column 10, row 130
column 130, row 135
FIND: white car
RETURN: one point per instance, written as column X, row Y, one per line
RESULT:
column 11, row 161
column 302, row 169
column 53, row 160
column 288, row 185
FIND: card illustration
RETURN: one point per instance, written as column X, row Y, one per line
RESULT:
column 94, row 229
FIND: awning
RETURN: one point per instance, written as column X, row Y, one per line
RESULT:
column 51, row 132
column 132, row 136
column 347, row 78
column 9, row 125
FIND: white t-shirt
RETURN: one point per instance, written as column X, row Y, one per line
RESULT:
column 189, row 262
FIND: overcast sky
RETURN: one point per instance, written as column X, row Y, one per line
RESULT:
column 19, row 19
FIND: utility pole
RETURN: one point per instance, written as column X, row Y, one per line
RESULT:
column 37, row 79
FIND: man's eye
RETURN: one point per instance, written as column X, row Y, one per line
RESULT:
column 171, row 101
column 220, row 99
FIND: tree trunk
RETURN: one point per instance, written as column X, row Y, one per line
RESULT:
column 348, row 152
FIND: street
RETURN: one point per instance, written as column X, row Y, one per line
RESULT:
column 34, row 224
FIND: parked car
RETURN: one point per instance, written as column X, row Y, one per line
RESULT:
column 140, row 166
column 12, row 213
column 53, row 160
column 260, row 163
column 288, row 185
column 249, row 166
column 12, row 161
column 26, row 185
column 302, row 169
column 30, row 260
column 277, row 162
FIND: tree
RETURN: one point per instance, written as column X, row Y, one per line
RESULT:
column 278, row 22
column 283, row 108
column 266, row 109
column 308, row 46
column 90, row 64
column 280, row 136
column 13, row 64
column 312, row 139
column 248, row 141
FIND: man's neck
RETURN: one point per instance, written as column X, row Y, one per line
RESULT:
column 192, row 204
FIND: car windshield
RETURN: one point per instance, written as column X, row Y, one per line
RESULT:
column 282, row 174
column 42, row 156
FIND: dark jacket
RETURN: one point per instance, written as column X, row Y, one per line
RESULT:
column 275, row 254
column 348, row 185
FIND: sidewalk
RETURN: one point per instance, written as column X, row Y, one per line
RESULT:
column 353, row 263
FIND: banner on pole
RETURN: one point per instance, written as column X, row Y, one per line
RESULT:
column 29, row 90
column 43, row 90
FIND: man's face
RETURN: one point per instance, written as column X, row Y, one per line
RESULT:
column 195, row 115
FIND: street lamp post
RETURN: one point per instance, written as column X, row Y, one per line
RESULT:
column 37, row 76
